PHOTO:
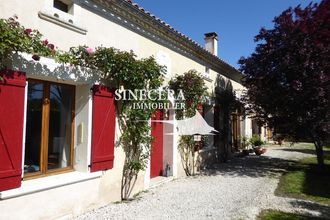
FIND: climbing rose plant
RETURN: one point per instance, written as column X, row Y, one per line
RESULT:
column 193, row 87
column 16, row 38
column 113, row 68
column 120, row 69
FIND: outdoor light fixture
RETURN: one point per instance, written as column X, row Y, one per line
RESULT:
column 197, row 137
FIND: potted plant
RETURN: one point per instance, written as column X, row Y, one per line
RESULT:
column 256, row 143
column 244, row 142
column 279, row 139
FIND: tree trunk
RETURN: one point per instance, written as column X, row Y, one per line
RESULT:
column 318, row 148
column 319, row 153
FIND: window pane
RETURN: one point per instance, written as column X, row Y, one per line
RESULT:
column 61, row 6
column 33, row 127
column 59, row 142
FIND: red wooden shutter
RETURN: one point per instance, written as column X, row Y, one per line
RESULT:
column 12, row 90
column 156, row 157
column 103, row 132
column 200, row 109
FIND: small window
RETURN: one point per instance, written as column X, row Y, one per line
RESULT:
column 207, row 72
column 63, row 5
column 163, row 59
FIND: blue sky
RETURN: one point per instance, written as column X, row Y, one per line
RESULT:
column 235, row 21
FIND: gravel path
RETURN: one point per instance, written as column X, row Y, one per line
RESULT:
column 239, row 189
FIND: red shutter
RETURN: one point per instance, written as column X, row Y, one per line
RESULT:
column 200, row 109
column 103, row 132
column 156, row 157
column 12, row 90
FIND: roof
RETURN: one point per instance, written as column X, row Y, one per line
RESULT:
column 198, row 51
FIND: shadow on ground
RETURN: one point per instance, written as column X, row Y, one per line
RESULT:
column 252, row 166
column 324, row 210
column 304, row 151
column 315, row 184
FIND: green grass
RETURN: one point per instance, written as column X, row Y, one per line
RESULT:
column 313, row 160
column 305, row 181
column 278, row 215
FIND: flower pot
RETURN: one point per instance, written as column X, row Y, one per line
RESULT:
column 259, row 150
column 280, row 142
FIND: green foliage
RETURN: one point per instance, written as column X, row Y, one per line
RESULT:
column 194, row 90
column 279, row 215
column 256, row 141
column 120, row 69
column 287, row 76
column 115, row 69
column 244, row 140
column 193, row 87
column 16, row 38
column 305, row 181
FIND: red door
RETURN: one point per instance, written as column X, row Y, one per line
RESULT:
column 156, row 163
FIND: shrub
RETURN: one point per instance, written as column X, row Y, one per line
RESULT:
column 256, row 141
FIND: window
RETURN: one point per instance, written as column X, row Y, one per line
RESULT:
column 63, row 5
column 163, row 59
column 63, row 13
column 207, row 72
column 49, row 128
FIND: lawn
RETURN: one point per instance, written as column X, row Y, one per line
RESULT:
column 305, row 181
column 278, row 215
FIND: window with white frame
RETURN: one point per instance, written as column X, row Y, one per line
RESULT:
column 207, row 72
column 64, row 13
column 163, row 59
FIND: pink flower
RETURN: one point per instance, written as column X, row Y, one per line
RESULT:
column 51, row 46
column 28, row 31
column 89, row 50
column 45, row 42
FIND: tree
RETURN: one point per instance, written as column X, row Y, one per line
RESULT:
column 288, row 77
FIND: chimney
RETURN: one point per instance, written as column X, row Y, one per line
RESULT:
column 211, row 43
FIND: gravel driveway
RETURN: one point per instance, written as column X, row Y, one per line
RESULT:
column 238, row 189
